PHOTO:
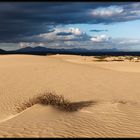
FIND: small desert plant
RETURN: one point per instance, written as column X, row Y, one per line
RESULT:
column 117, row 60
column 57, row 101
column 122, row 102
column 101, row 60
column 101, row 57
column 129, row 57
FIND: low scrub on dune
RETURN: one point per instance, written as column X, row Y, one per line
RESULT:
column 117, row 60
column 102, row 57
column 102, row 60
column 57, row 101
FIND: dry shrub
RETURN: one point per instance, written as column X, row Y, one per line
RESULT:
column 117, row 60
column 57, row 101
column 26, row 104
column 129, row 58
column 122, row 102
column 101, row 57
column 102, row 60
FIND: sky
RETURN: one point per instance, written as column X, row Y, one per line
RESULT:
column 88, row 25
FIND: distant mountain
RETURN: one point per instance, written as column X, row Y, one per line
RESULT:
column 26, row 49
column 39, row 50
column 105, row 50
column 44, row 49
column 50, row 50
column 2, row 51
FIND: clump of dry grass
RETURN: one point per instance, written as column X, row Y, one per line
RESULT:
column 129, row 58
column 102, row 60
column 57, row 101
column 117, row 60
column 102, row 57
column 122, row 102
column 137, row 61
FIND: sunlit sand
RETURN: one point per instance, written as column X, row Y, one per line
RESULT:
column 113, row 86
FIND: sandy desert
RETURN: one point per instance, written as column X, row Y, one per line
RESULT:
column 113, row 86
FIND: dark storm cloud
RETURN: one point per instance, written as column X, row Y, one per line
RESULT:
column 64, row 33
column 98, row 30
column 18, row 21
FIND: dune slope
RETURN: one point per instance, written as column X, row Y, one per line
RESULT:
column 113, row 86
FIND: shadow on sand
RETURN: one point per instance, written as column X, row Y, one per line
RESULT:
column 57, row 101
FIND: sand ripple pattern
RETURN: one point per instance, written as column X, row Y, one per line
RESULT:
column 105, row 119
column 116, row 112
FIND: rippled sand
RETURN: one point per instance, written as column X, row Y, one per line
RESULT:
column 114, row 86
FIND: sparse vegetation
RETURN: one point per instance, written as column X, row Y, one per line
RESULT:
column 101, row 57
column 117, row 60
column 133, row 58
column 122, row 102
column 57, row 101
column 129, row 58
column 102, row 60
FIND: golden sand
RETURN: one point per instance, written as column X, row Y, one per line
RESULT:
column 113, row 85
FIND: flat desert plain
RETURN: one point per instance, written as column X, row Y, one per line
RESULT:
column 113, row 86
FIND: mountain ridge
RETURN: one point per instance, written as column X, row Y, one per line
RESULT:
column 45, row 49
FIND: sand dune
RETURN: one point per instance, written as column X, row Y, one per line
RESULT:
column 113, row 85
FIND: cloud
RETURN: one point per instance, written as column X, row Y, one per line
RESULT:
column 64, row 34
column 96, row 42
column 69, row 31
column 98, row 30
column 100, row 38
column 107, row 11
column 127, row 42
column 137, row 12
column 31, row 44
column 76, row 31
column 122, row 13
column 20, row 21
column 23, row 44
column 76, row 38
